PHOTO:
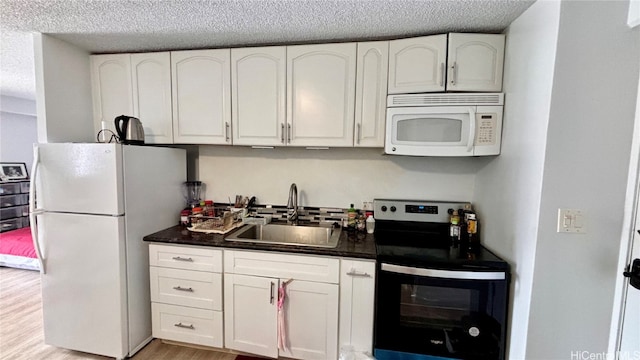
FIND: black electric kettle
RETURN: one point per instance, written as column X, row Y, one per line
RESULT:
column 130, row 130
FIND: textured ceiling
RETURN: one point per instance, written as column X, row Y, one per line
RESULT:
column 103, row 26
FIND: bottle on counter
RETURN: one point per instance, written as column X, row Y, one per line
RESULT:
column 196, row 216
column 184, row 217
column 371, row 224
column 208, row 209
column 454, row 228
column 361, row 223
column 473, row 241
column 351, row 218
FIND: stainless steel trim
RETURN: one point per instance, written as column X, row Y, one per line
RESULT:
column 355, row 273
column 178, row 258
column 180, row 288
column 180, row 325
column 271, row 293
column 445, row 274
column 262, row 147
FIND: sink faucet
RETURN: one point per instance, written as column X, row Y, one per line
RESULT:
column 292, row 205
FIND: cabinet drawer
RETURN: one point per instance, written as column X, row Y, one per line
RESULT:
column 12, row 212
column 11, row 224
column 194, row 326
column 186, row 287
column 285, row 266
column 185, row 257
column 24, row 187
column 13, row 200
column 10, row 188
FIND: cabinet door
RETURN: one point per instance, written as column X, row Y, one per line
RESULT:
column 201, row 92
column 311, row 317
column 250, row 310
column 111, row 89
column 357, row 294
column 258, row 102
column 475, row 62
column 321, row 94
column 151, row 81
column 417, row 64
column 371, row 93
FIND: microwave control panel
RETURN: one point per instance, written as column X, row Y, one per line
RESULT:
column 485, row 129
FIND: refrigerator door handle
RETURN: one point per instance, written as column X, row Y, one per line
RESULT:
column 33, row 212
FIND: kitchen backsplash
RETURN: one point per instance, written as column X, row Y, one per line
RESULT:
column 332, row 178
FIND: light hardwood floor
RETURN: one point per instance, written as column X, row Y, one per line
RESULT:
column 21, row 335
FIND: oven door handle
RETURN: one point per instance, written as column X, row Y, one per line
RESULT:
column 445, row 274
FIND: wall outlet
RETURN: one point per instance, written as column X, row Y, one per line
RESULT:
column 571, row 221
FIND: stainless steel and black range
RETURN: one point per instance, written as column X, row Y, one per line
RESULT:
column 435, row 300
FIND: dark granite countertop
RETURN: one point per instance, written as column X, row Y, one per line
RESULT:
column 353, row 245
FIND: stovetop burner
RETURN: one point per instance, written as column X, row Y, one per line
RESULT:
column 416, row 233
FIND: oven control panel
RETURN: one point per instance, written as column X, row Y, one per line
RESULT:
column 414, row 210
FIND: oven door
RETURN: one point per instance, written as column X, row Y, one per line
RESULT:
column 440, row 314
column 431, row 131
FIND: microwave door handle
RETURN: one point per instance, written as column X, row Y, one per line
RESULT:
column 472, row 129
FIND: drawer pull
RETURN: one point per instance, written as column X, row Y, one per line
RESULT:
column 355, row 273
column 179, row 288
column 178, row 258
column 181, row 325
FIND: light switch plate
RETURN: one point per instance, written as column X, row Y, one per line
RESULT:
column 571, row 221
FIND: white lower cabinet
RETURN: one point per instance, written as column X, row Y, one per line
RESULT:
column 357, row 299
column 186, row 294
column 328, row 301
column 310, row 312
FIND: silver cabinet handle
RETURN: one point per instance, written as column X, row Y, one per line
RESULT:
column 282, row 133
column 359, row 135
column 180, row 288
column 454, row 73
column 181, row 325
column 353, row 272
column 226, row 131
column 289, row 133
column 178, row 258
column 271, row 293
column 442, row 74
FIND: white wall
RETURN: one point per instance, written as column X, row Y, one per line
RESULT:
column 586, row 164
column 63, row 91
column 18, row 129
column 507, row 194
column 332, row 178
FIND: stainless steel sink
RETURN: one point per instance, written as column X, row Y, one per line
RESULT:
column 298, row 235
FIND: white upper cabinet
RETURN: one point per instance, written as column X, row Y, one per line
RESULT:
column 151, row 82
column 321, row 94
column 201, row 93
column 258, row 80
column 111, row 89
column 475, row 62
column 371, row 93
column 417, row 64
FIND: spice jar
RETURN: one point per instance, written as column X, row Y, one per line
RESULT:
column 184, row 217
column 196, row 216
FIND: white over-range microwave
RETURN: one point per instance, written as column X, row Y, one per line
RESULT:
column 444, row 124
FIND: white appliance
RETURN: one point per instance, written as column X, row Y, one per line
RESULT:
column 91, row 204
column 444, row 124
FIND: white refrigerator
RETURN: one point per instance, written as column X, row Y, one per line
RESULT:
column 91, row 205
